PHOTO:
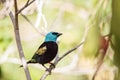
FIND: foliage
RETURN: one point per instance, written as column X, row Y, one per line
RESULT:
column 115, row 35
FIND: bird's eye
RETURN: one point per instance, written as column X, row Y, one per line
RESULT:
column 54, row 33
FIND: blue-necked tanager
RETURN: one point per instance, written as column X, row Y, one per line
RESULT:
column 47, row 50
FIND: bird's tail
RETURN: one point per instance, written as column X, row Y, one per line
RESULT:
column 27, row 63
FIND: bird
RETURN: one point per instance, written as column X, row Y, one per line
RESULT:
column 47, row 51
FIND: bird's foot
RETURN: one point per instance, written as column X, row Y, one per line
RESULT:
column 52, row 65
column 47, row 69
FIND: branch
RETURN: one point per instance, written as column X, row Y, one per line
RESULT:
column 40, row 15
column 68, row 52
column 17, row 37
column 26, row 5
column 51, row 67
column 25, row 17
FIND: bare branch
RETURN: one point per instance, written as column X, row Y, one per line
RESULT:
column 45, row 75
column 58, row 59
column 26, row 5
column 12, row 18
column 27, row 2
column 68, row 52
column 17, row 37
column 25, row 17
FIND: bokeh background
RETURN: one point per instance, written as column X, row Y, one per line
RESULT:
column 78, row 20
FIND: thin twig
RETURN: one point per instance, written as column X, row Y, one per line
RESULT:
column 58, row 59
column 68, row 52
column 25, row 17
column 39, row 15
column 98, row 66
column 12, row 18
column 26, row 5
column 27, row 2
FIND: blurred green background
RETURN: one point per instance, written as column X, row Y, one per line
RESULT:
column 70, row 17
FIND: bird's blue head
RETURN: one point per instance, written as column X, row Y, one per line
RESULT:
column 52, row 36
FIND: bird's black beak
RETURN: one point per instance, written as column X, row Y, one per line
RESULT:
column 59, row 34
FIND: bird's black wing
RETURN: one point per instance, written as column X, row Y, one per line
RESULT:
column 41, row 50
column 45, row 53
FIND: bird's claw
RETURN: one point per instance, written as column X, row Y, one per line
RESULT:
column 52, row 65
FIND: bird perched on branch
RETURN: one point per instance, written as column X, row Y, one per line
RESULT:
column 47, row 50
